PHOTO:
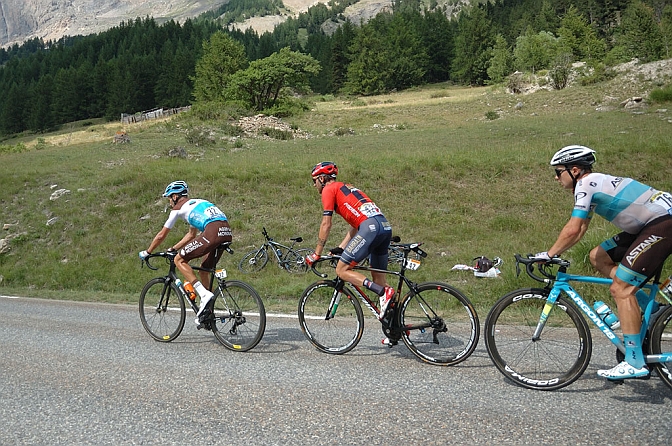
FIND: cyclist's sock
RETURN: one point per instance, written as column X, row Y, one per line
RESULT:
column 201, row 290
column 633, row 350
column 643, row 299
column 373, row 286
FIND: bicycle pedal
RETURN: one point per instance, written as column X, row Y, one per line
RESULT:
column 389, row 342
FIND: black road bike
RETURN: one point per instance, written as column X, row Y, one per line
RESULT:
column 435, row 320
column 235, row 315
column 287, row 257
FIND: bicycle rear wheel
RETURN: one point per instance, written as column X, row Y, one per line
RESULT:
column 661, row 342
column 440, row 325
column 162, row 310
column 556, row 359
column 295, row 261
column 240, row 317
column 253, row 261
column 332, row 323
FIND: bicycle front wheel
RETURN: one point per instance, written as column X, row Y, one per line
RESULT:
column 332, row 321
column 162, row 310
column 439, row 324
column 253, row 261
column 661, row 342
column 295, row 261
column 240, row 317
column 556, row 359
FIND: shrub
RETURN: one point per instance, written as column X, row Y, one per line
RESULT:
column 561, row 71
column 661, row 94
column 491, row 115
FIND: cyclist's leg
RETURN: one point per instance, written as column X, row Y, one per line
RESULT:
column 606, row 257
column 372, row 237
column 214, row 234
column 643, row 257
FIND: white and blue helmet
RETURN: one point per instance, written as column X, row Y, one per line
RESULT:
column 574, row 155
column 176, row 187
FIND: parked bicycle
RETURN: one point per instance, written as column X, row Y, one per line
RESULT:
column 235, row 315
column 538, row 338
column 287, row 257
column 436, row 321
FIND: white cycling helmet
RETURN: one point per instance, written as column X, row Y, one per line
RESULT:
column 574, row 155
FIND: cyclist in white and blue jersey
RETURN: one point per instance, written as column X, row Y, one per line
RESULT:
column 208, row 228
column 632, row 257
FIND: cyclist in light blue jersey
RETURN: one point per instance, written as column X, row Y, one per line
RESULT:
column 632, row 257
column 208, row 228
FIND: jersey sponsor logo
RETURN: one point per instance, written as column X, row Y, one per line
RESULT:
column 355, row 244
column 192, row 246
column 616, row 181
column 354, row 211
column 642, row 248
column 224, row 231
column 593, row 184
column 579, row 196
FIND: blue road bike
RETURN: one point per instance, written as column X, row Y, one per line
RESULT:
column 538, row 338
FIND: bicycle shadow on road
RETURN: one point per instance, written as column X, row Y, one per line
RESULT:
column 280, row 340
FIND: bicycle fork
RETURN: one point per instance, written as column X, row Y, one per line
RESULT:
column 335, row 300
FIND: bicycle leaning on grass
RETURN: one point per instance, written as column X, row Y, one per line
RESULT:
column 287, row 257
column 235, row 315
column 436, row 321
column 538, row 338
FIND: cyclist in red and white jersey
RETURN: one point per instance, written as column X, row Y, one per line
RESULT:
column 208, row 228
column 632, row 257
column 369, row 235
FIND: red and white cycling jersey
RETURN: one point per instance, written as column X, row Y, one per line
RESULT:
column 349, row 202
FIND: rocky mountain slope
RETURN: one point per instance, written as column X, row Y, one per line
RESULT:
column 21, row 20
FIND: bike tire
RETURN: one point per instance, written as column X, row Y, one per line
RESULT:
column 336, row 335
column 239, row 316
column 295, row 261
column 253, row 261
column 552, row 362
column 453, row 331
column 162, row 310
column 660, row 341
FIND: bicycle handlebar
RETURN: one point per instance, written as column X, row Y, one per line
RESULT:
column 168, row 255
column 544, row 268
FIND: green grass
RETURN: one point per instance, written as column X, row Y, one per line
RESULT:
column 443, row 173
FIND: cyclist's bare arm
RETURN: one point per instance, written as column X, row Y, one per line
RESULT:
column 325, row 228
column 570, row 235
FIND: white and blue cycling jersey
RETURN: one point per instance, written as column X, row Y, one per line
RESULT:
column 198, row 213
column 628, row 204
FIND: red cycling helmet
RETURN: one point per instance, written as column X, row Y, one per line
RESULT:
column 325, row 168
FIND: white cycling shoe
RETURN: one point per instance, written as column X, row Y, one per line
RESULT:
column 623, row 371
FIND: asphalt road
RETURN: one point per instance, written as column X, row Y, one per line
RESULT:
column 82, row 373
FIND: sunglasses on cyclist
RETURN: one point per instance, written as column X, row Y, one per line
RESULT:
column 558, row 172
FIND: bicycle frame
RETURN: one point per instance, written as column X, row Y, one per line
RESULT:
column 388, row 324
column 561, row 284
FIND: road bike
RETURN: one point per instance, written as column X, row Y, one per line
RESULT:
column 235, row 315
column 436, row 321
column 288, row 258
column 538, row 338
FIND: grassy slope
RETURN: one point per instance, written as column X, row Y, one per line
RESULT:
column 447, row 176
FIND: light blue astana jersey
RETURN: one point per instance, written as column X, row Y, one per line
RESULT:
column 628, row 204
column 198, row 213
